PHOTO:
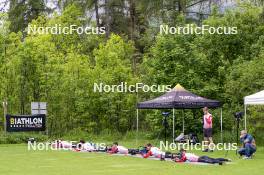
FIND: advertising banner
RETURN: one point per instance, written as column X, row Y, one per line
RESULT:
column 16, row 123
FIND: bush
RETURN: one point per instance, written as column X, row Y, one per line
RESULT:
column 16, row 138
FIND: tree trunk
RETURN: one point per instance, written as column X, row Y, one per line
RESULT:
column 96, row 13
column 181, row 6
column 132, row 11
column 107, row 18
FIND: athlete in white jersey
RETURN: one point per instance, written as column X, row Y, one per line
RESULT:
column 153, row 151
column 117, row 149
column 88, row 147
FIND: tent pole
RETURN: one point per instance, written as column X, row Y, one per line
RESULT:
column 137, row 128
column 173, row 131
column 245, row 106
column 182, row 122
column 221, row 115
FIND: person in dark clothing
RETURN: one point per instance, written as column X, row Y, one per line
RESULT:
column 206, row 159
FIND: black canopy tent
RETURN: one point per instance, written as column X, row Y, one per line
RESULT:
column 178, row 98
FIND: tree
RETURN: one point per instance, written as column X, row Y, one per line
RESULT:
column 21, row 13
column 113, row 66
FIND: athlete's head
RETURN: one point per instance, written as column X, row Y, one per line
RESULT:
column 205, row 110
column 148, row 146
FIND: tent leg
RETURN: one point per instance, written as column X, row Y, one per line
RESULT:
column 173, row 126
column 245, row 106
column 182, row 122
column 137, row 128
column 221, row 115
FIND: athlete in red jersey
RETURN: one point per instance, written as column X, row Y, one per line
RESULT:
column 207, row 128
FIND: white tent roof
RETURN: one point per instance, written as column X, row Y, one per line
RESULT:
column 255, row 99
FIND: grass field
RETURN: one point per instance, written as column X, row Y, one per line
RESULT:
column 17, row 160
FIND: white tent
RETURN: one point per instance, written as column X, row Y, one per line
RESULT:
column 254, row 99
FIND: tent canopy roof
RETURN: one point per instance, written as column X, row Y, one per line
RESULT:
column 255, row 99
column 178, row 98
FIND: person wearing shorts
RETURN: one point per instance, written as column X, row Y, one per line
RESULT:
column 207, row 129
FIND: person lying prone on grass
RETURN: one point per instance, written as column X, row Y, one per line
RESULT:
column 117, row 149
column 152, row 151
column 61, row 144
column 85, row 146
column 184, row 156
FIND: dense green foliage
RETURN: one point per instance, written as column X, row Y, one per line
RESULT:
column 62, row 69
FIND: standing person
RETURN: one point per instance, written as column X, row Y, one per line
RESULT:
column 207, row 129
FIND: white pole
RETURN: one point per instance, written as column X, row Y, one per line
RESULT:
column 137, row 128
column 245, row 106
column 221, row 118
column 173, row 132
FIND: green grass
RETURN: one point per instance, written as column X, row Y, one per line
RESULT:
column 17, row 160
